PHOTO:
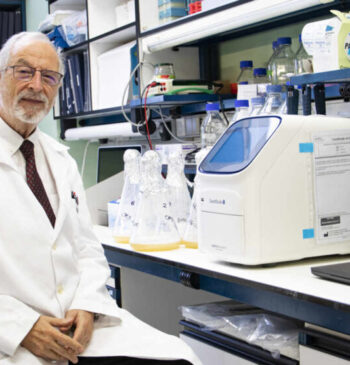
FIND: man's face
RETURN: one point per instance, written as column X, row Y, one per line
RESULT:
column 29, row 101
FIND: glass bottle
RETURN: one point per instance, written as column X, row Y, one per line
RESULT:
column 270, row 61
column 246, row 75
column 180, row 199
column 274, row 100
column 242, row 110
column 256, row 105
column 128, row 202
column 155, row 228
column 260, row 76
column 283, row 62
column 303, row 61
column 164, row 71
column 213, row 125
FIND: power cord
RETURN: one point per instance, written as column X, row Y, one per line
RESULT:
column 152, row 84
column 141, row 63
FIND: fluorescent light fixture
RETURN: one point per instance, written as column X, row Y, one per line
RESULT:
column 224, row 21
column 100, row 131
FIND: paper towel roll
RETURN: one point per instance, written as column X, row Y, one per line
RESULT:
column 101, row 131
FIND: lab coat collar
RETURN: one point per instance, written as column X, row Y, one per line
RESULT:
column 10, row 141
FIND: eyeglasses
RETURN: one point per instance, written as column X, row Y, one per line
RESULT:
column 26, row 73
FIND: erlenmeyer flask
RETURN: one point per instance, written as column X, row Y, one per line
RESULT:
column 128, row 202
column 155, row 229
column 179, row 197
column 190, row 238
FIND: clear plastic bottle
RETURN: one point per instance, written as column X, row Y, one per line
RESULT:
column 213, row 125
column 274, row 100
column 260, row 76
column 303, row 61
column 190, row 239
column 270, row 61
column 124, row 222
column 154, row 228
column 242, row 110
column 180, row 198
column 246, row 75
column 283, row 62
column 256, row 105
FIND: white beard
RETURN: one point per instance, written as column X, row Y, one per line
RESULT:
column 31, row 116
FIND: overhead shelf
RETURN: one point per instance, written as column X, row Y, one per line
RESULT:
column 174, row 100
column 336, row 76
column 238, row 17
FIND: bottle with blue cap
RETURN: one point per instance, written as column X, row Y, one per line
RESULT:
column 261, row 80
column 256, row 104
column 213, row 125
column 274, row 100
column 270, row 61
column 241, row 110
column 303, row 61
column 260, row 75
column 246, row 75
column 283, row 63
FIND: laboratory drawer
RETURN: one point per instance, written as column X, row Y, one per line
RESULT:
column 323, row 349
column 210, row 354
column 213, row 347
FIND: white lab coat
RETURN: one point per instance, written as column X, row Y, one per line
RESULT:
column 46, row 271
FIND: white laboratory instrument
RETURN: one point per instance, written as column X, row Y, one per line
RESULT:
column 276, row 188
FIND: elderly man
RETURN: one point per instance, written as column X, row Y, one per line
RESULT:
column 53, row 301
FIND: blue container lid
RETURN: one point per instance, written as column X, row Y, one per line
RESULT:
column 274, row 45
column 284, row 40
column 258, row 100
column 274, row 88
column 300, row 38
column 212, row 107
column 246, row 64
column 259, row 71
column 172, row 12
column 243, row 83
column 241, row 103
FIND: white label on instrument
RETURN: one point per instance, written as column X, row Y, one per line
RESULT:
column 332, row 186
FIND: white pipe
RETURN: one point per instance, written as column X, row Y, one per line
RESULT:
column 100, row 132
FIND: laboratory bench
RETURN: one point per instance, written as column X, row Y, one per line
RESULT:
column 288, row 289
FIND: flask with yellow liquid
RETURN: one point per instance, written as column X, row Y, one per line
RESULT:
column 155, row 229
column 124, row 222
column 179, row 197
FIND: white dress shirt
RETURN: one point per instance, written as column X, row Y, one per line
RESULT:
column 12, row 141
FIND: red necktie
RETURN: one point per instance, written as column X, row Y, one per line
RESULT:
column 34, row 181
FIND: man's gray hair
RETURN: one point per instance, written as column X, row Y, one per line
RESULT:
column 22, row 39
